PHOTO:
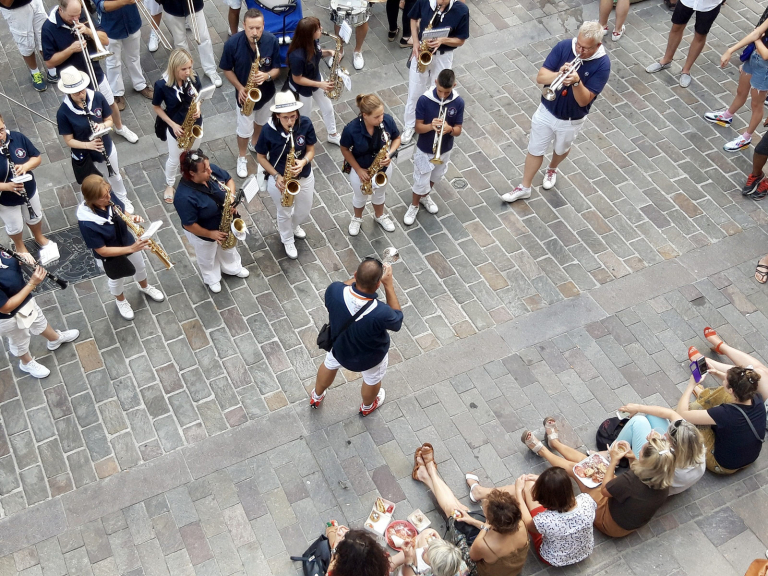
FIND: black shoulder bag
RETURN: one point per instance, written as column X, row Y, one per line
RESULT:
column 324, row 339
column 116, row 267
column 751, row 426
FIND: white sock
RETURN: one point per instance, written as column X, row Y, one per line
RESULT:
column 35, row 71
column 368, row 407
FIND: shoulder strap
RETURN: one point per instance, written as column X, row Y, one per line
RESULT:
column 751, row 426
column 355, row 317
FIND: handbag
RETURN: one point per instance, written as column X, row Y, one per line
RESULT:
column 161, row 128
column 84, row 168
column 751, row 426
column 116, row 267
column 607, row 433
column 26, row 315
column 324, row 339
column 747, row 52
column 316, row 558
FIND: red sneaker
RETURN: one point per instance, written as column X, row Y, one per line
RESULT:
column 316, row 403
column 376, row 403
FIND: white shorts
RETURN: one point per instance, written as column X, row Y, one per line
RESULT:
column 234, row 4
column 25, row 24
column 245, row 123
column 106, row 91
column 14, row 217
column 545, row 129
column 153, row 7
column 372, row 376
column 19, row 338
column 425, row 172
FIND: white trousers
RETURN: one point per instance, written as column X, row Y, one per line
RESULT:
column 177, row 26
column 19, row 338
column 26, row 25
column 174, row 158
column 289, row 218
column 418, row 82
column 358, row 198
column 116, row 286
column 132, row 63
column 326, row 109
column 14, row 217
column 213, row 260
column 116, row 181
column 425, row 172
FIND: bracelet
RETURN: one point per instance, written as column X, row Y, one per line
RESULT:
column 415, row 570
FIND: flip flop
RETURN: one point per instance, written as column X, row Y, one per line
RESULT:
column 472, row 487
column 712, row 332
column 533, row 443
column 761, row 270
column 428, row 453
column 416, row 464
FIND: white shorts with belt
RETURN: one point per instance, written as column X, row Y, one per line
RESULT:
column 14, row 217
column 245, row 123
column 372, row 376
column 546, row 129
column 26, row 25
column 425, row 172
column 19, row 338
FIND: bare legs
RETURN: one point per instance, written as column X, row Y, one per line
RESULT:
column 325, row 378
column 673, row 42
column 742, row 92
column 533, row 163
column 443, row 494
column 49, row 334
column 622, row 9
column 756, row 104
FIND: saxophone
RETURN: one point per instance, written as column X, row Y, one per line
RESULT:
column 138, row 231
column 189, row 130
column 425, row 54
column 335, row 78
column 292, row 186
column 253, row 94
column 227, row 218
column 378, row 178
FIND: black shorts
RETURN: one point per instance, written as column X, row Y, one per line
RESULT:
column 704, row 20
column 762, row 146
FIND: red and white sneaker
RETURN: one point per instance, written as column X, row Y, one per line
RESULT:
column 376, row 403
column 314, row 400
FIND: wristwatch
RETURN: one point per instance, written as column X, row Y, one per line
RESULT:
column 576, row 84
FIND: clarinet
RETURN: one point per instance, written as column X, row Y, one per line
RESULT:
column 12, row 169
column 23, row 262
column 93, row 132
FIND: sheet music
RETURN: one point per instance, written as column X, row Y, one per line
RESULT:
column 435, row 33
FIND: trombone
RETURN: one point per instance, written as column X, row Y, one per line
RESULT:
column 100, row 53
column 437, row 144
column 153, row 25
column 193, row 20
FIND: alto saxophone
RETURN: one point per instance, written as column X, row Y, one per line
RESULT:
column 425, row 54
column 252, row 92
column 335, row 78
column 189, row 130
column 292, row 186
column 138, row 231
column 377, row 177
column 227, row 218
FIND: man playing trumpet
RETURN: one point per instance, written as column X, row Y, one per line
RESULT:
column 439, row 116
column 560, row 119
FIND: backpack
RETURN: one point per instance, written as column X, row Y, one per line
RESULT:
column 316, row 558
column 607, row 433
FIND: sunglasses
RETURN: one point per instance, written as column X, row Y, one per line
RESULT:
column 675, row 425
column 375, row 260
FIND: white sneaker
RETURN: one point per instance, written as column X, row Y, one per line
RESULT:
column 550, row 179
column 410, row 215
column 358, row 61
column 244, row 273
column 34, row 369
column 335, row 139
column 252, row 150
column 215, row 78
column 354, row 226
column 429, row 204
column 407, row 136
column 64, row 337
column 127, row 133
column 215, row 287
column 128, row 206
column 153, row 293
column 242, row 166
column 517, row 194
column 385, row 222
column 290, row 250
column 124, row 307
column 154, row 42
column 299, row 233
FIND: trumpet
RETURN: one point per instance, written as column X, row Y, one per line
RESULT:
column 550, row 92
column 437, row 144
column 193, row 21
column 152, row 24
column 100, row 53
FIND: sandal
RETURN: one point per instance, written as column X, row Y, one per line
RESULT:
column 761, row 273
column 393, row 34
column 428, row 454
column 472, row 486
column 531, row 441
column 168, row 194
column 416, row 465
column 709, row 332
column 693, row 352
column 550, row 429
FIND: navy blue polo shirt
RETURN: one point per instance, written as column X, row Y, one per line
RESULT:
column 196, row 207
column 73, row 120
column 238, row 58
column 177, row 100
column 274, row 144
column 113, row 235
column 299, row 66
column 17, row 4
column 355, row 137
column 428, row 108
column 179, row 7
column 56, row 36
column 120, row 23
column 593, row 73
column 456, row 18
column 11, row 283
column 20, row 150
column 365, row 343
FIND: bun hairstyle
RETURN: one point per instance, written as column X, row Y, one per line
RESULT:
column 743, row 382
column 368, row 103
column 655, row 466
column 189, row 160
column 502, row 512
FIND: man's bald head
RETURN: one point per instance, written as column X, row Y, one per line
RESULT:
column 368, row 276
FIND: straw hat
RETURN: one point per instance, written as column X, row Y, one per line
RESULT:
column 284, row 102
column 72, row 80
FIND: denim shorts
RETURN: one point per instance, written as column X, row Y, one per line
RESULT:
column 758, row 68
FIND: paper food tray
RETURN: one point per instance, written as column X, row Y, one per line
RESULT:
column 419, row 520
column 378, row 521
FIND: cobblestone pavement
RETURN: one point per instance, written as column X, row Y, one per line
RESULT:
column 570, row 303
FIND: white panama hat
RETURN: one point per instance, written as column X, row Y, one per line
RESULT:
column 285, row 102
column 73, row 80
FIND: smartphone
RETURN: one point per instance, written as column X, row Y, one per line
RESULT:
column 698, row 368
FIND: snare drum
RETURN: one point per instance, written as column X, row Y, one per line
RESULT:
column 354, row 12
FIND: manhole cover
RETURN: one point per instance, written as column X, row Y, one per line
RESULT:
column 459, row 183
column 76, row 262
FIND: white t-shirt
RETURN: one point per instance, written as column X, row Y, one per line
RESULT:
column 687, row 477
column 567, row 536
column 702, row 5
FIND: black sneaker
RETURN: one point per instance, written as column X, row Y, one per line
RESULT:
column 404, row 43
column 52, row 78
column 38, row 82
column 751, row 185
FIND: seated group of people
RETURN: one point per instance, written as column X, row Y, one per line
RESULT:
column 667, row 452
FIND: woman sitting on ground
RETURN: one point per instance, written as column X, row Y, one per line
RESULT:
column 626, row 502
column 494, row 542
column 560, row 524
column 429, row 555
column 684, row 438
column 355, row 553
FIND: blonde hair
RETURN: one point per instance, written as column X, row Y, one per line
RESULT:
column 444, row 558
column 91, row 189
column 687, row 443
column 592, row 30
column 368, row 103
column 655, row 466
column 179, row 57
